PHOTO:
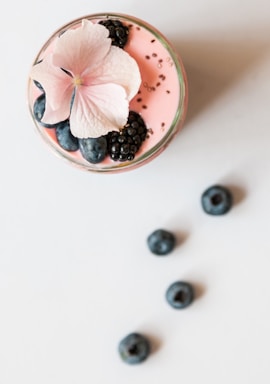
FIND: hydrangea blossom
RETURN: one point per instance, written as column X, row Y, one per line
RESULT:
column 87, row 80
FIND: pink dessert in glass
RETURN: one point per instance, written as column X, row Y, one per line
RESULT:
column 149, row 86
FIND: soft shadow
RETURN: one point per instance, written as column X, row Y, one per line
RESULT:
column 199, row 290
column 214, row 66
column 155, row 343
column 181, row 237
column 238, row 193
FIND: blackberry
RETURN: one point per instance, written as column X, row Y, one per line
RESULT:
column 123, row 146
column 118, row 32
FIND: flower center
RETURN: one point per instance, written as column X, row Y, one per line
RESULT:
column 77, row 81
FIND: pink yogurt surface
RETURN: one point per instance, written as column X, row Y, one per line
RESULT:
column 157, row 100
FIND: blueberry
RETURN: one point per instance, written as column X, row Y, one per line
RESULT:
column 37, row 84
column 134, row 348
column 180, row 294
column 93, row 150
column 39, row 109
column 161, row 242
column 216, row 200
column 65, row 138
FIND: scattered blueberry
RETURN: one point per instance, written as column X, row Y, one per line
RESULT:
column 123, row 146
column 216, row 200
column 118, row 32
column 65, row 138
column 161, row 242
column 134, row 348
column 180, row 294
column 39, row 109
column 93, row 150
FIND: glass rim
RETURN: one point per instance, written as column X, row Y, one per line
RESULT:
column 175, row 125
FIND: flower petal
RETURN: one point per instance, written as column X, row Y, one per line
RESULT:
column 82, row 48
column 120, row 68
column 58, row 87
column 98, row 110
column 52, row 116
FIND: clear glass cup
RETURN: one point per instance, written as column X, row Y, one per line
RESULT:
column 161, row 101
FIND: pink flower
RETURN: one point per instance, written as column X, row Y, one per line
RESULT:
column 87, row 80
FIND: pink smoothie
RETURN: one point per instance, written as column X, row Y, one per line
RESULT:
column 161, row 100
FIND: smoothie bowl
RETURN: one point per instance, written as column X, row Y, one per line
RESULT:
column 107, row 92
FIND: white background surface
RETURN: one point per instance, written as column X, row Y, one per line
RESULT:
column 75, row 273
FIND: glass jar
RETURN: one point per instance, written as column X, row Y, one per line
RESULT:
column 161, row 100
